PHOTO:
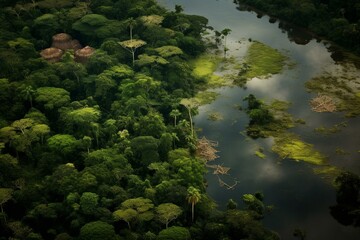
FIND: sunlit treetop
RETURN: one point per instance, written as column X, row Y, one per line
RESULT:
column 168, row 51
column 132, row 43
column 152, row 20
column 145, row 59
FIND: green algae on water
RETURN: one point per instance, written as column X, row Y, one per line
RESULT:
column 328, row 172
column 204, row 67
column 215, row 116
column 342, row 84
column 205, row 97
column 290, row 146
column 262, row 61
column 282, row 120
column 331, row 130
column 260, row 153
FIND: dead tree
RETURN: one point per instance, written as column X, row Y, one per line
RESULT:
column 206, row 149
column 323, row 103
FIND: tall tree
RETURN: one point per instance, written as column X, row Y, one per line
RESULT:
column 132, row 45
column 52, row 97
column 190, row 104
column 28, row 93
column 167, row 212
column 225, row 32
column 89, row 203
column 174, row 233
column 97, row 230
column 5, row 195
column 178, row 9
column 135, row 210
column 193, row 198
column 131, row 23
column 175, row 113
column 62, row 143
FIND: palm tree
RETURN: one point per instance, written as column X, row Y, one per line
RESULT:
column 131, row 23
column 193, row 198
column 190, row 104
column 175, row 113
column 28, row 93
column 5, row 195
column 225, row 32
column 132, row 44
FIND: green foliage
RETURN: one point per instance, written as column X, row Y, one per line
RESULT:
column 268, row 120
column 152, row 20
column 9, row 169
column 89, row 202
column 168, row 51
column 99, row 62
column 132, row 45
column 292, row 147
column 254, row 204
column 127, row 215
column 23, row 47
column 83, row 116
column 37, row 116
column 174, row 233
column 336, row 20
column 340, row 86
column 5, row 195
column 66, row 178
column 90, row 23
column 166, row 143
column 171, row 191
column 145, row 148
column 150, row 125
column 191, row 45
column 263, row 61
column 145, row 59
column 193, row 197
column 348, row 186
column 119, row 72
column 95, row 140
column 135, row 210
column 167, row 212
column 215, row 231
column 242, row 224
column 189, row 171
column 346, row 211
column 46, row 26
column 23, row 133
column 97, row 230
column 231, row 204
column 62, row 143
column 52, row 97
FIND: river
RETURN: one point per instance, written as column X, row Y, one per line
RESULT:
column 301, row 198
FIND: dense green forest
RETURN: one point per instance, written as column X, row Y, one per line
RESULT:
column 336, row 20
column 94, row 140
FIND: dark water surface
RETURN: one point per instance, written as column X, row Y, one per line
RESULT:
column 301, row 198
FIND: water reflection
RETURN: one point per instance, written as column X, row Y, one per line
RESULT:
column 298, row 35
column 295, row 34
column 300, row 197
